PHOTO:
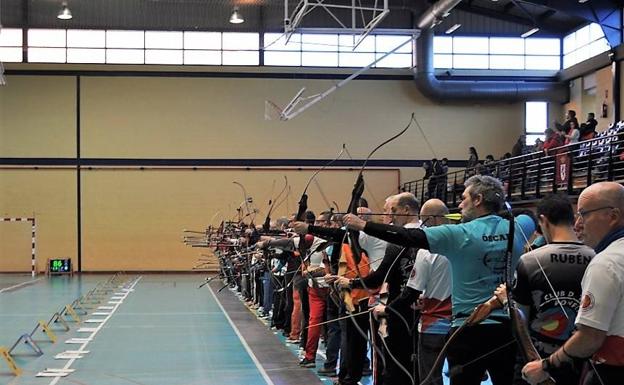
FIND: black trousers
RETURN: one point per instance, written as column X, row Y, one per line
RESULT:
column 402, row 344
column 288, row 299
column 333, row 334
column 279, row 302
column 475, row 349
column 429, row 347
column 602, row 375
column 353, row 346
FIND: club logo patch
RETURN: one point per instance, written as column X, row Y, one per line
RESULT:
column 587, row 303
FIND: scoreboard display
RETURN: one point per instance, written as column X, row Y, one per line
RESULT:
column 59, row 266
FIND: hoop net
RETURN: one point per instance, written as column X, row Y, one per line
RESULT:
column 272, row 111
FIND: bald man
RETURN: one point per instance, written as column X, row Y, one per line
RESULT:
column 430, row 279
column 432, row 213
column 600, row 320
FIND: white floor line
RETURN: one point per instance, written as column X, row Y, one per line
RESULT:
column 97, row 329
column 19, row 285
column 264, row 374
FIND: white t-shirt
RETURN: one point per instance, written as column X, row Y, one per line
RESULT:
column 375, row 248
column 315, row 260
column 431, row 275
column 602, row 301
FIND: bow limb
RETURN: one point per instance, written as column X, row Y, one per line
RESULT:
column 267, row 221
column 353, row 236
column 356, row 194
column 247, row 199
column 303, row 201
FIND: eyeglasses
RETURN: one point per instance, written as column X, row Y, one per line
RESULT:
column 582, row 214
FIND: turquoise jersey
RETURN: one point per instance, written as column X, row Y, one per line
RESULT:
column 476, row 251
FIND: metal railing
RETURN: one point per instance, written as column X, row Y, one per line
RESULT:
column 529, row 177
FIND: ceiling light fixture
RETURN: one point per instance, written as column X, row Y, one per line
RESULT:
column 529, row 32
column 583, row 1
column 64, row 13
column 452, row 29
column 236, row 17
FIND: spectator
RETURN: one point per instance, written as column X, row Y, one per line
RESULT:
column 427, row 167
column 473, row 162
column 442, row 181
column 570, row 118
column 519, row 148
column 539, row 145
column 553, row 140
column 488, row 165
column 572, row 135
column 433, row 180
column 503, row 167
column 588, row 129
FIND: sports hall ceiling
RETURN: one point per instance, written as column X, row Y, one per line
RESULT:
column 507, row 17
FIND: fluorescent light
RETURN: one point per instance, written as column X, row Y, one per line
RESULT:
column 236, row 17
column 583, row 1
column 529, row 32
column 452, row 29
column 64, row 13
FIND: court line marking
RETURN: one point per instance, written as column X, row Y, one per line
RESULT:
column 19, row 285
column 263, row 372
column 97, row 329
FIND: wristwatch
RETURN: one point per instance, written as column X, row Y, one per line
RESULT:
column 546, row 365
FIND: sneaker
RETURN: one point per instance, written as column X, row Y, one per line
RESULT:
column 329, row 372
column 307, row 363
column 292, row 341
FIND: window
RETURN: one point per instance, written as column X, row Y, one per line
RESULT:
column 200, row 57
column 500, row 53
column 80, row 38
column 207, row 48
column 163, row 56
column 240, row 41
column 86, row 55
column 125, row 39
column 336, row 50
column 125, row 56
column 11, row 45
column 46, row 55
column 162, row 39
column 46, row 38
column 583, row 44
column 510, row 46
column 535, row 121
column 202, row 40
column 251, row 58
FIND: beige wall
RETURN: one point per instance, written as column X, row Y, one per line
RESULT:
column 49, row 195
column 132, row 220
column 38, row 116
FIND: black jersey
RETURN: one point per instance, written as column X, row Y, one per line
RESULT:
column 564, row 264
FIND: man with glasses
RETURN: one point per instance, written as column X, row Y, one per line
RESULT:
column 600, row 320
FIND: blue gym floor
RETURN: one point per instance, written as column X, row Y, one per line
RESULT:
column 166, row 331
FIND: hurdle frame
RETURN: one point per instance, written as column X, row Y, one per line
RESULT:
column 33, row 255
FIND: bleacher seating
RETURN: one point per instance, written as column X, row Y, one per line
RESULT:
column 528, row 177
